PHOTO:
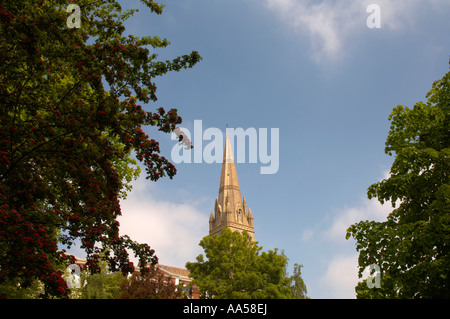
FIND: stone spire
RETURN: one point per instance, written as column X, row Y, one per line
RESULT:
column 230, row 209
column 229, row 184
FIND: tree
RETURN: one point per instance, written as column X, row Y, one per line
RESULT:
column 236, row 268
column 298, row 286
column 102, row 285
column 70, row 116
column 10, row 289
column 412, row 247
column 151, row 285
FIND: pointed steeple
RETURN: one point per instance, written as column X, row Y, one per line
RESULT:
column 250, row 217
column 230, row 208
column 229, row 191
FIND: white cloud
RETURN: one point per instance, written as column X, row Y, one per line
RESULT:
column 341, row 277
column 368, row 210
column 307, row 234
column 173, row 230
column 341, row 274
column 330, row 25
column 319, row 21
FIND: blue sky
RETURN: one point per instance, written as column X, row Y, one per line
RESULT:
column 314, row 70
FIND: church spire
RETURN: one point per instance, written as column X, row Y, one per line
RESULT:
column 230, row 208
column 229, row 183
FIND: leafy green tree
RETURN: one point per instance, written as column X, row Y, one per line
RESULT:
column 298, row 286
column 235, row 267
column 10, row 289
column 102, row 285
column 70, row 116
column 412, row 247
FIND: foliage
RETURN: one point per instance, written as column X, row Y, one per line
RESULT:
column 69, row 119
column 151, row 285
column 412, row 247
column 298, row 286
column 236, row 268
column 102, row 285
column 13, row 291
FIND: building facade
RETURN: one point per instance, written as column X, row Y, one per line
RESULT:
column 180, row 276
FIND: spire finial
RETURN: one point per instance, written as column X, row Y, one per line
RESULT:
column 228, row 151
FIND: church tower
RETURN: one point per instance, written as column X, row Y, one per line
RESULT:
column 230, row 209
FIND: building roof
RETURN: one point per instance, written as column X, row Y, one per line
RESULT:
column 175, row 272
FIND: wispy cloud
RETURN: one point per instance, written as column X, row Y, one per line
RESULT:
column 330, row 25
column 326, row 24
column 367, row 210
column 307, row 234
